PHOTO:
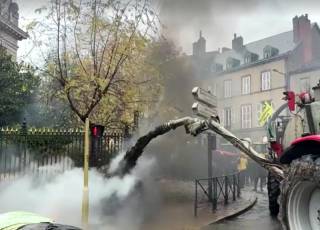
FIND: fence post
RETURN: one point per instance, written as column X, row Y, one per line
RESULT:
column 234, row 187
column 24, row 126
column 226, row 189
column 24, row 132
column 215, row 194
column 196, row 197
column 211, row 147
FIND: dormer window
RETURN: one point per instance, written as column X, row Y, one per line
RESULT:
column 232, row 63
column 247, row 59
column 269, row 52
column 266, row 54
column 216, row 67
column 250, row 57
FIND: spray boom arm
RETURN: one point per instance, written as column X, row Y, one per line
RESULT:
column 199, row 126
column 194, row 126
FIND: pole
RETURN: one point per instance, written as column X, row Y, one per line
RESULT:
column 196, row 197
column 211, row 147
column 85, row 198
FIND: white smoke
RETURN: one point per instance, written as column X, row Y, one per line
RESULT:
column 60, row 197
column 115, row 163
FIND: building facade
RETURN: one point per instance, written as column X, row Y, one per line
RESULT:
column 246, row 77
column 10, row 33
column 304, row 79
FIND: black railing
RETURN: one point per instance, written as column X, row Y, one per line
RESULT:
column 38, row 151
column 46, row 151
column 223, row 189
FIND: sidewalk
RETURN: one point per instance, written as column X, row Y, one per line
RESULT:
column 180, row 216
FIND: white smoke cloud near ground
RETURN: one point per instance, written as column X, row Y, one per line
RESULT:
column 60, row 197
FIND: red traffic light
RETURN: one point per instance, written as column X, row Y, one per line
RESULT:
column 96, row 130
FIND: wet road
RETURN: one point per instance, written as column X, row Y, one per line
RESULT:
column 257, row 218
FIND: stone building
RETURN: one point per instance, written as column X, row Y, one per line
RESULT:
column 10, row 33
column 305, row 78
column 246, row 76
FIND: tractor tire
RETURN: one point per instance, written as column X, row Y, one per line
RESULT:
column 300, row 195
column 273, row 194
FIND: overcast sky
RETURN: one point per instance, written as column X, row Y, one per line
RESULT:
column 218, row 19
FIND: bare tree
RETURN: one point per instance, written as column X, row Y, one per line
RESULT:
column 99, row 55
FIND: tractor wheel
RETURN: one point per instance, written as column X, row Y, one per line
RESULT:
column 300, row 195
column 273, row 194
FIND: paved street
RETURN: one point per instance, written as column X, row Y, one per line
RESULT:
column 178, row 215
column 257, row 218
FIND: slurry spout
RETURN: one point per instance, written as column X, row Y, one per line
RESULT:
column 132, row 155
column 194, row 126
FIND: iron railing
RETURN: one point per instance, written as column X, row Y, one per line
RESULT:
column 223, row 189
column 45, row 151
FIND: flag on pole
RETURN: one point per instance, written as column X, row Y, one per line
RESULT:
column 266, row 113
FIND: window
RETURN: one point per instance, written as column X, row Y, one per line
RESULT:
column 265, row 80
column 246, row 116
column 215, row 67
column 227, row 86
column 266, row 54
column 305, row 84
column 246, row 85
column 227, row 118
column 247, row 59
column 269, row 51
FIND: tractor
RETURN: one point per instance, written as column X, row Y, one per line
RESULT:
column 294, row 137
column 294, row 158
column 293, row 164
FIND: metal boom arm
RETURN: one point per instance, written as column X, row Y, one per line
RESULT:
column 198, row 127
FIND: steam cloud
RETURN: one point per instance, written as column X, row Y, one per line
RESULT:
column 219, row 19
column 113, row 201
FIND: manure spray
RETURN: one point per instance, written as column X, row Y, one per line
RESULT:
column 116, row 201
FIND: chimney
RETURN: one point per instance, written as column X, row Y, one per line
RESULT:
column 302, row 33
column 199, row 47
column 301, row 27
column 237, row 43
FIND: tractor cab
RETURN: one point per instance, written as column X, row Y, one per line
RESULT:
column 295, row 130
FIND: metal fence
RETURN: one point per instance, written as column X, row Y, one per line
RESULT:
column 46, row 151
column 223, row 189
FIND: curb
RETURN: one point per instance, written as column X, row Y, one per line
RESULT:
column 238, row 212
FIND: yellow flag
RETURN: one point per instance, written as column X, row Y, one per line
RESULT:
column 266, row 113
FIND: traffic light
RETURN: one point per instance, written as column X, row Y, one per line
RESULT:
column 96, row 130
column 96, row 158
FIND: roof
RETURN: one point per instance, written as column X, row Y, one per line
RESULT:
column 283, row 42
column 12, row 29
